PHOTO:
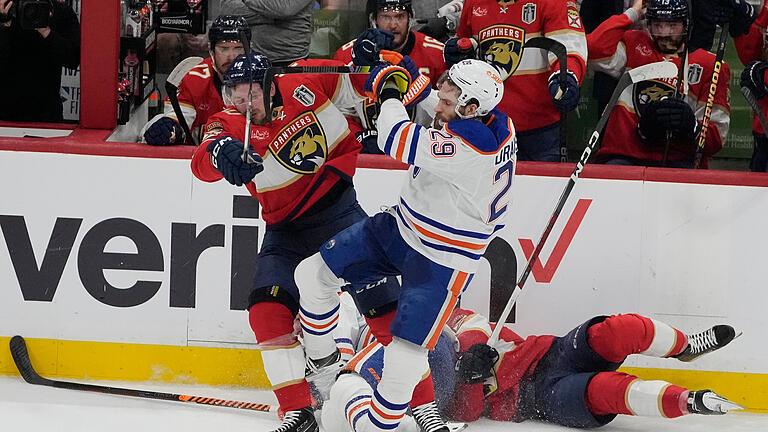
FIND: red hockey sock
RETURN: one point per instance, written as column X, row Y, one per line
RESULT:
column 279, row 322
column 294, row 396
column 620, row 393
column 606, row 393
column 380, row 327
column 424, row 392
column 621, row 335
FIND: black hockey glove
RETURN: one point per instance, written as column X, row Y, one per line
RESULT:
column 670, row 114
column 227, row 157
column 457, row 49
column 476, row 364
column 569, row 99
column 738, row 13
column 367, row 46
column 368, row 139
column 753, row 78
column 165, row 131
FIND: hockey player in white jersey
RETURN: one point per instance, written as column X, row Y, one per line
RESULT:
column 455, row 199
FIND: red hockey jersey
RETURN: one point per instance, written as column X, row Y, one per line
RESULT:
column 614, row 48
column 306, row 151
column 425, row 51
column 198, row 97
column 501, row 31
column 751, row 47
column 498, row 395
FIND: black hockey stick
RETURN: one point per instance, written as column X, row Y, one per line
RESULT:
column 559, row 50
column 501, row 257
column 752, row 101
column 711, row 96
column 682, row 77
column 642, row 73
column 30, row 375
column 172, row 88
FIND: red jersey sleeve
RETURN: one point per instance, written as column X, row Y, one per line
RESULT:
column 563, row 24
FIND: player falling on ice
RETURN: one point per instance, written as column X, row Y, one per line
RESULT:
column 454, row 201
column 568, row 380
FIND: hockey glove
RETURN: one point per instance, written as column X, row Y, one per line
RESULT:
column 368, row 139
column 227, row 157
column 458, row 49
column 476, row 364
column 742, row 16
column 387, row 82
column 754, row 78
column 670, row 114
column 421, row 85
column 568, row 99
column 367, row 46
column 165, row 131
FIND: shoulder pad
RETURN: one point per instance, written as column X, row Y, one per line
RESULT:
column 475, row 134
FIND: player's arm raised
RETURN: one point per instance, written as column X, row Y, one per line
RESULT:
column 607, row 52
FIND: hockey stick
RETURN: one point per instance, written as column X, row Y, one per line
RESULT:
column 30, row 375
column 752, row 101
column 642, row 73
column 682, row 76
column 503, row 262
column 172, row 88
column 247, row 158
column 559, row 50
column 711, row 96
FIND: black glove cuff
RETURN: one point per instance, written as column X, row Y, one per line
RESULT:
column 390, row 93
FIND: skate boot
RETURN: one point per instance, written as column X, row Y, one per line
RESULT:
column 708, row 402
column 321, row 374
column 428, row 418
column 707, row 341
column 301, row 420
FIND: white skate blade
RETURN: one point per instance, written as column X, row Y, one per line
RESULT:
column 456, row 427
column 728, row 406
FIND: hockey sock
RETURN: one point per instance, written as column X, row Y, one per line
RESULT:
column 318, row 305
column 621, row 335
column 380, row 327
column 424, row 392
column 281, row 353
column 620, row 393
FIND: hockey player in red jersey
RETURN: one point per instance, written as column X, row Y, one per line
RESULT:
column 390, row 30
column 498, row 30
column 200, row 90
column 753, row 53
column 303, row 161
column 649, row 120
column 569, row 380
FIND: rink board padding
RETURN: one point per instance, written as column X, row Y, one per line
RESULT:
column 118, row 264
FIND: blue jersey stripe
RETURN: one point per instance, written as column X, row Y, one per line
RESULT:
column 414, row 143
column 446, row 228
column 391, row 137
column 321, row 316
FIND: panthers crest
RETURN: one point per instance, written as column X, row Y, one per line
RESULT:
column 300, row 145
column 502, row 46
column 645, row 92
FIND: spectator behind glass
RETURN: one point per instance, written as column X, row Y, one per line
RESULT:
column 31, row 61
column 281, row 29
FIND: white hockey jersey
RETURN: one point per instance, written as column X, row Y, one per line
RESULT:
column 458, row 188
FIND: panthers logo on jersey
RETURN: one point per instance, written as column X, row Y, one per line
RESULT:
column 502, row 46
column 646, row 92
column 301, row 145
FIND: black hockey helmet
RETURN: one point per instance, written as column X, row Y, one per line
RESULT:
column 668, row 10
column 239, row 71
column 373, row 6
column 228, row 28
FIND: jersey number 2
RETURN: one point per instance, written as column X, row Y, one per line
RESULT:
column 503, row 171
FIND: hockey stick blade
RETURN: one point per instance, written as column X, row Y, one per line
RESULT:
column 21, row 358
column 646, row 72
column 181, row 70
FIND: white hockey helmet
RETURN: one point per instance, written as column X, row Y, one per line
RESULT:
column 477, row 80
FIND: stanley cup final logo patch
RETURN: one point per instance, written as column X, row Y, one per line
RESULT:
column 502, row 46
column 300, row 145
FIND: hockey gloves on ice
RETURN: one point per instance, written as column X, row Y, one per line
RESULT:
column 738, row 13
column 387, row 82
column 568, row 99
column 165, row 131
column 227, row 157
column 367, row 46
column 457, row 49
column 753, row 77
column 670, row 114
column 476, row 364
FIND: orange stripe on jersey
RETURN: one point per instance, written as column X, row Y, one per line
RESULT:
column 458, row 285
column 318, row 326
column 401, row 143
column 385, row 415
column 361, row 356
column 346, row 351
column 354, row 409
column 444, row 239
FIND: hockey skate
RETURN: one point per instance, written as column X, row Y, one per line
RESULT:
column 302, row 420
column 707, row 341
column 428, row 418
column 708, row 402
column 321, row 373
